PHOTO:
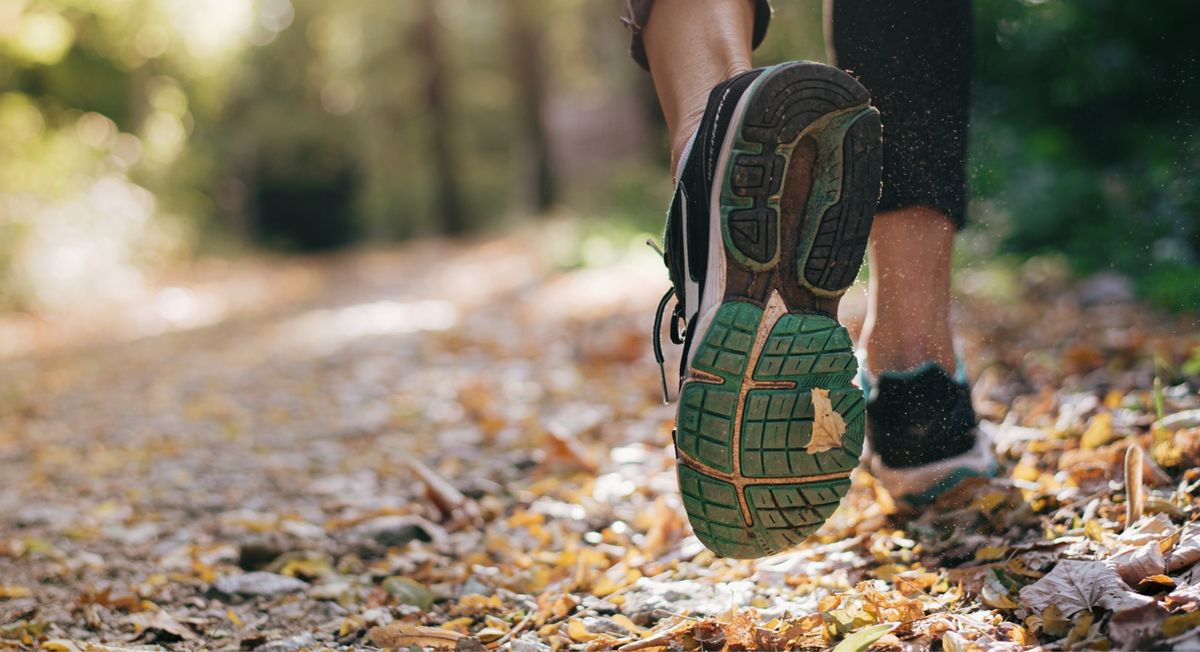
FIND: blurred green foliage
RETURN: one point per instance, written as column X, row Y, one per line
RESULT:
column 1085, row 136
column 133, row 132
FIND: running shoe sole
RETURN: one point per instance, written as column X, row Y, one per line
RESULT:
column 770, row 425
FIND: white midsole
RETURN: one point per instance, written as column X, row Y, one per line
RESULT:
column 919, row 479
column 714, row 285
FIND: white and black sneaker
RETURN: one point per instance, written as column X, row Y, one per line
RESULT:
column 766, row 231
column 923, row 435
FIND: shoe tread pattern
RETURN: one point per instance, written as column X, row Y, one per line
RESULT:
column 835, row 110
column 749, row 485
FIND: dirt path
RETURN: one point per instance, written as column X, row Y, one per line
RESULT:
column 251, row 483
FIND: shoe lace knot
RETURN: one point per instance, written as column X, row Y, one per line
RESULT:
column 678, row 326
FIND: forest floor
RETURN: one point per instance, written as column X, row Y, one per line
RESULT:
column 463, row 445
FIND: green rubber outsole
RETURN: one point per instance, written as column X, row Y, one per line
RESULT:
column 769, row 426
column 749, row 483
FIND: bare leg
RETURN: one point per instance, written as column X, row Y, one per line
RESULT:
column 693, row 45
column 908, row 304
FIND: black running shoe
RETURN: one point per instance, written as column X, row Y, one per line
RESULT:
column 766, row 231
column 923, row 432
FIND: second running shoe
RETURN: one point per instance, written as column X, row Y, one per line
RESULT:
column 766, row 231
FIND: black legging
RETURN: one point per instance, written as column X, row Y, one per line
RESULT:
column 915, row 56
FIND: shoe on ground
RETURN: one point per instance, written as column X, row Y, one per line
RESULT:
column 923, row 434
column 766, row 231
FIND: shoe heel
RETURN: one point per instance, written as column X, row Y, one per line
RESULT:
column 850, row 159
column 789, row 164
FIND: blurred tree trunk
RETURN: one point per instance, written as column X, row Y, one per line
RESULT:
column 447, row 201
column 538, row 183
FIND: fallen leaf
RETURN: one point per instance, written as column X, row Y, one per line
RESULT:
column 997, row 592
column 563, row 447
column 12, row 591
column 1134, row 629
column 1076, row 586
column 991, row 553
column 1098, row 433
column 1155, row 584
column 1176, row 625
column 1187, row 551
column 579, row 632
column 828, row 426
column 1079, row 630
column 399, row 635
column 1137, row 564
column 863, row 638
column 1135, row 495
column 161, row 622
column 454, row 506
column 1154, row 528
column 1054, row 622
column 409, row 591
column 1179, row 420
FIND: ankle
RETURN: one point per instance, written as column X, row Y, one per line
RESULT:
column 903, row 349
column 680, row 140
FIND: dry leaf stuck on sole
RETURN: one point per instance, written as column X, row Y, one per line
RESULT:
column 828, row 426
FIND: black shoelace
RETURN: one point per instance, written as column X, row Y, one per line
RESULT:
column 676, row 336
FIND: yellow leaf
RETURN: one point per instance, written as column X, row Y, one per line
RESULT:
column 990, row 501
column 60, row 645
column 1176, row 625
column 628, row 624
column 603, row 586
column 349, row 626
column 828, row 426
column 1098, row 433
column 233, row 618
column 489, row 634
column 11, row 591
column 1015, row 633
column 579, row 633
column 459, row 625
column 1079, row 632
column 1053, row 621
column 1026, row 472
column 991, row 553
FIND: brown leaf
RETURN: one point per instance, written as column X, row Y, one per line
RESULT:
column 1139, row 563
column 1155, row 584
column 454, row 506
column 667, row 528
column 670, row 632
column 1187, row 551
column 161, row 622
column 1076, row 586
column 1135, row 496
column 1138, row 628
column 828, row 426
column 399, row 635
column 563, row 447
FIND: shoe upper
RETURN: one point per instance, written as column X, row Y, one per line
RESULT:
column 685, row 238
column 919, row 417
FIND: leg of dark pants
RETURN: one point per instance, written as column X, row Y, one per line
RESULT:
column 915, row 57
